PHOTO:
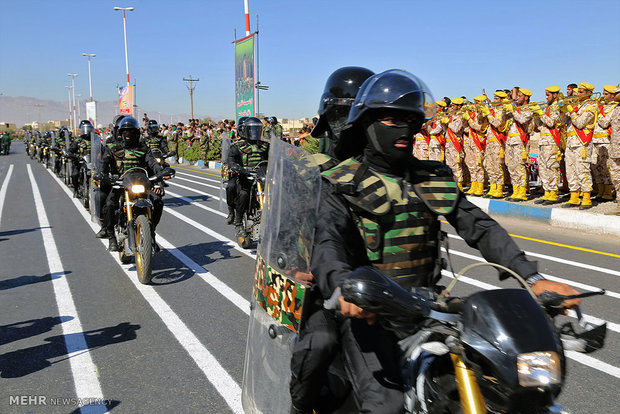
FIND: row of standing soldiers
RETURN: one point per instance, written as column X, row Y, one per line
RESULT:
column 489, row 142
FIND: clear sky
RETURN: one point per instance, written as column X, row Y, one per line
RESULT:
column 456, row 47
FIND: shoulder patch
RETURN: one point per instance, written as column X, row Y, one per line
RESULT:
column 435, row 185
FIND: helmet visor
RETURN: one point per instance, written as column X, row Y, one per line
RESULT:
column 253, row 132
column 396, row 89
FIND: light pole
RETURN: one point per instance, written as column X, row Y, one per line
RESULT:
column 90, row 83
column 79, row 113
column 73, row 75
column 125, row 32
column 70, row 118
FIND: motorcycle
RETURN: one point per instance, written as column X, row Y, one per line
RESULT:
column 133, row 227
column 252, row 217
column 494, row 351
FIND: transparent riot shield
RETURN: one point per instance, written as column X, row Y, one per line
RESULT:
column 95, row 195
column 282, row 269
column 224, row 169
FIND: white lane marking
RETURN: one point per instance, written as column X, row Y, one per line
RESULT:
column 194, row 202
column 560, row 260
column 210, row 232
column 208, row 364
column 197, row 183
column 3, row 190
column 593, row 363
column 83, row 369
column 235, row 298
column 197, row 176
column 554, row 278
column 195, row 191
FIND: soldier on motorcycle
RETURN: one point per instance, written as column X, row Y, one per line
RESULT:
column 247, row 152
column 153, row 140
column 128, row 153
column 380, row 207
column 79, row 148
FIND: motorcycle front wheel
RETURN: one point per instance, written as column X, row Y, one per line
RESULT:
column 144, row 249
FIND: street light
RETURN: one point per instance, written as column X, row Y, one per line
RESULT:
column 90, row 84
column 125, row 32
column 73, row 75
column 69, row 92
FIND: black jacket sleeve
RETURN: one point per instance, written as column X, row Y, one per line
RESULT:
column 234, row 157
column 338, row 246
column 483, row 233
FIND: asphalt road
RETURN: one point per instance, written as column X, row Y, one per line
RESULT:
column 76, row 325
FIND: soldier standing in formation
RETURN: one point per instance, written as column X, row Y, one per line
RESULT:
column 516, row 145
column 455, row 126
column 600, row 143
column 496, row 139
column 614, row 148
column 437, row 133
column 550, row 147
column 475, row 144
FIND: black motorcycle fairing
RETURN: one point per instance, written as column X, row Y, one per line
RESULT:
column 498, row 325
column 136, row 178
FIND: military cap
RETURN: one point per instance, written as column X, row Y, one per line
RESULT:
column 500, row 94
column 586, row 85
column 525, row 92
column 552, row 89
column 458, row 101
column 441, row 103
column 480, row 98
column 609, row 88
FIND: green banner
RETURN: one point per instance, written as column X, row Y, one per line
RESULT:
column 244, row 76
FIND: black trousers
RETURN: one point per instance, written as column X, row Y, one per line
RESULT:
column 371, row 360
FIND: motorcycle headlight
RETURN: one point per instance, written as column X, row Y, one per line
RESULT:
column 137, row 188
column 158, row 160
column 539, row 369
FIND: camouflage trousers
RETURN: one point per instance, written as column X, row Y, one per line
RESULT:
column 600, row 157
column 435, row 152
column 420, row 149
column 516, row 164
column 454, row 161
column 493, row 163
column 578, row 168
column 549, row 167
column 614, row 172
column 473, row 160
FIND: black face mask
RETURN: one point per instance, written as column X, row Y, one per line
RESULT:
column 389, row 148
column 337, row 118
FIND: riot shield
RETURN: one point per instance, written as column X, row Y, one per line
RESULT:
column 96, row 199
column 282, row 269
column 224, row 169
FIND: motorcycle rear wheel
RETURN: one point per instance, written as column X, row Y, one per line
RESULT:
column 144, row 249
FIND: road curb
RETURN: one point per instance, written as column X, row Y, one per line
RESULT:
column 557, row 217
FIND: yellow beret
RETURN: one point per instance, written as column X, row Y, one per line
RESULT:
column 609, row 88
column 525, row 92
column 586, row 85
column 500, row 94
column 441, row 103
column 458, row 101
column 480, row 98
column 552, row 89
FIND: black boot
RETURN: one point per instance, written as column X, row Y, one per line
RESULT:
column 231, row 215
column 156, row 247
column 113, row 246
column 103, row 233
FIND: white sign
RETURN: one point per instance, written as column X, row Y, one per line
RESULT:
column 91, row 113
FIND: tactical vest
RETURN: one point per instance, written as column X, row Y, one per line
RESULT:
column 397, row 219
column 324, row 161
column 154, row 143
column 252, row 154
column 128, row 158
column 84, row 146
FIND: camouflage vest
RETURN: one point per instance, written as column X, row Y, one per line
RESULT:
column 84, row 146
column 154, row 143
column 128, row 158
column 397, row 219
column 252, row 154
column 324, row 161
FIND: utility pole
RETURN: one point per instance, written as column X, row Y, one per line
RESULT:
column 191, row 88
column 38, row 116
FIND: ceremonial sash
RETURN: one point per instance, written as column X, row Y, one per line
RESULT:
column 525, row 137
column 481, row 145
column 427, row 137
column 583, row 137
column 555, row 133
column 602, row 109
column 455, row 140
column 440, row 138
column 501, row 138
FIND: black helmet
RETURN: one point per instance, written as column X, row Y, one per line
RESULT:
column 340, row 91
column 395, row 90
column 272, row 120
column 129, row 131
column 240, row 123
column 86, row 129
column 152, row 127
column 252, row 129
column 115, row 123
column 84, row 122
